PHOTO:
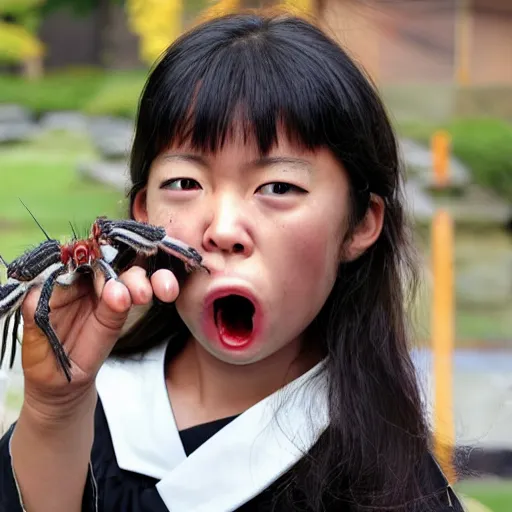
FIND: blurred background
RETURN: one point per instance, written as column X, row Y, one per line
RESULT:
column 71, row 72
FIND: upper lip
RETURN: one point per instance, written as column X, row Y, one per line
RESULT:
column 230, row 287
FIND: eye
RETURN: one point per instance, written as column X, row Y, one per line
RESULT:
column 279, row 188
column 180, row 184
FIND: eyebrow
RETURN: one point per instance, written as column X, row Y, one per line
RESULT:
column 260, row 163
column 186, row 157
column 269, row 161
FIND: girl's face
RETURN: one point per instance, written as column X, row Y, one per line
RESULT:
column 271, row 230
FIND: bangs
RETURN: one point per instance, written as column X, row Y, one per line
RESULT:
column 256, row 87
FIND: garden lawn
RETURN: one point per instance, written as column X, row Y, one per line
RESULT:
column 42, row 173
column 90, row 91
column 495, row 494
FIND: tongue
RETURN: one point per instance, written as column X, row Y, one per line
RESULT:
column 233, row 327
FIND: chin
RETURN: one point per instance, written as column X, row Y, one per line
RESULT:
column 234, row 357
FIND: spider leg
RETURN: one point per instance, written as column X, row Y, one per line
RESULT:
column 147, row 240
column 184, row 252
column 42, row 320
column 17, row 319
column 4, row 338
column 107, row 271
column 12, row 294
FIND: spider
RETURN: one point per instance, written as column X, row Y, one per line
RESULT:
column 52, row 263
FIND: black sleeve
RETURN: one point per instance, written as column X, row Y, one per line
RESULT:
column 108, row 488
column 10, row 497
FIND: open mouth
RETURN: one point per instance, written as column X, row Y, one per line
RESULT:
column 233, row 317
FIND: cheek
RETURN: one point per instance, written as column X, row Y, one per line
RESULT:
column 309, row 255
column 155, row 208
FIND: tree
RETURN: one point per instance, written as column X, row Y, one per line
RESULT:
column 102, row 9
column 19, row 21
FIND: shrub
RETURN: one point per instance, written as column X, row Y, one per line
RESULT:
column 484, row 145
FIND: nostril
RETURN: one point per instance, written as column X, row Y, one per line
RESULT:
column 238, row 248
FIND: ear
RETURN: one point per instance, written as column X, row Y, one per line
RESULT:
column 367, row 231
column 139, row 206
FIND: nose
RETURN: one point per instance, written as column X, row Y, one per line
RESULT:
column 228, row 230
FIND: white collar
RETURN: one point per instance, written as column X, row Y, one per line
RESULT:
column 233, row 466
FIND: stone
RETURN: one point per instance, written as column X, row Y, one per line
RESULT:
column 114, row 174
column 477, row 207
column 14, row 114
column 484, row 283
column 17, row 131
column 418, row 203
column 112, row 136
column 65, row 120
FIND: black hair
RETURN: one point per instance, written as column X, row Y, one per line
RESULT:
column 263, row 72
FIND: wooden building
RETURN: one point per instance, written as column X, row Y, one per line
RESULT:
column 467, row 42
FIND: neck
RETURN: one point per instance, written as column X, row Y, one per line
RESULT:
column 202, row 388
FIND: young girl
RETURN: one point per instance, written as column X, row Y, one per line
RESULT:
column 280, row 380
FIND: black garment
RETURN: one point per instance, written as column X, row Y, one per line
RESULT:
column 192, row 438
column 111, row 489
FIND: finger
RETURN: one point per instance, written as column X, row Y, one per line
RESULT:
column 103, row 327
column 114, row 304
column 165, row 285
column 138, row 285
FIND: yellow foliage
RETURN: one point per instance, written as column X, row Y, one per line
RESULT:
column 17, row 44
column 298, row 6
column 220, row 8
column 157, row 23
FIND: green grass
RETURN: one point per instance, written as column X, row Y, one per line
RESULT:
column 86, row 90
column 496, row 494
column 118, row 95
column 43, row 175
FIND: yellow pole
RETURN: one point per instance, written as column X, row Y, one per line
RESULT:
column 463, row 43
column 440, row 143
column 443, row 339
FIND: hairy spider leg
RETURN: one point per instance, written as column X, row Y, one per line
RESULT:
column 36, row 263
column 149, row 247
column 42, row 320
column 5, row 335
column 187, row 254
column 11, row 297
column 17, row 319
column 147, row 239
column 107, row 271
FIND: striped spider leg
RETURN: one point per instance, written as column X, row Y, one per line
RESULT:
column 41, row 266
column 47, row 265
column 146, row 239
